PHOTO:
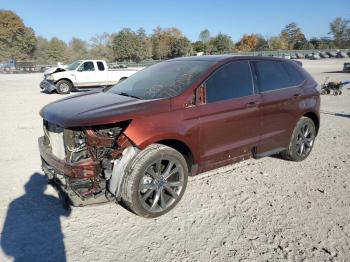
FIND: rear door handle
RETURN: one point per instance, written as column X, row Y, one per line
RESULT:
column 252, row 104
column 295, row 96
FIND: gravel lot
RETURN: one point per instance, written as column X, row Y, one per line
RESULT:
column 267, row 209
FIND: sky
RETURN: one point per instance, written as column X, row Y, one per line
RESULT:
column 78, row 18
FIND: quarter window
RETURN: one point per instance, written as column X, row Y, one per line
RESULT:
column 271, row 75
column 295, row 77
column 100, row 66
column 233, row 80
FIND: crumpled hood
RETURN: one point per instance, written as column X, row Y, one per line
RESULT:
column 53, row 70
column 99, row 108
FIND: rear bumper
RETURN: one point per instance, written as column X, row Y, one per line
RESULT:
column 47, row 86
column 82, row 169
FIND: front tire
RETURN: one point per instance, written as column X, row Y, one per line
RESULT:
column 302, row 140
column 64, row 87
column 155, row 181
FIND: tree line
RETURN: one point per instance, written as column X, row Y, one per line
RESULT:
column 20, row 42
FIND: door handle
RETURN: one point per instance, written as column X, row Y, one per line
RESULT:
column 296, row 96
column 252, row 104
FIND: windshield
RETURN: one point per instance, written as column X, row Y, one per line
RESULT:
column 73, row 65
column 165, row 79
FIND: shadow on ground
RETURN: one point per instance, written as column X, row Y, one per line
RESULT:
column 335, row 72
column 335, row 114
column 32, row 229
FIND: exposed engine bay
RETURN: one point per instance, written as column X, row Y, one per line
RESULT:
column 105, row 148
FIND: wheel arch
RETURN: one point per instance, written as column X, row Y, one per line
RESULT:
column 182, row 148
column 314, row 117
column 67, row 79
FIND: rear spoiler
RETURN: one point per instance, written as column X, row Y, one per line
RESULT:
column 299, row 63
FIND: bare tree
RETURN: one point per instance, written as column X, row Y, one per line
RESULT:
column 340, row 31
column 204, row 36
column 293, row 35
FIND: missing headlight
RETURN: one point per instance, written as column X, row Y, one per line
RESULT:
column 75, row 145
column 111, row 130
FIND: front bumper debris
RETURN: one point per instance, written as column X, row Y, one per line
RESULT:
column 80, row 174
column 47, row 86
column 82, row 169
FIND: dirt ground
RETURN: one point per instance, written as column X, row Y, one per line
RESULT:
column 260, row 210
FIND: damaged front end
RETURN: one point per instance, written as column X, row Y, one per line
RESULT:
column 47, row 85
column 87, row 163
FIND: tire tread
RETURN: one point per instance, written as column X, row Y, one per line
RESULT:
column 127, row 190
column 288, row 154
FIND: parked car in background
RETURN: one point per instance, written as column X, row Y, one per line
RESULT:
column 137, row 142
column 323, row 55
column 341, row 55
column 83, row 74
column 331, row 54
column 286, row 56
column 313, row 56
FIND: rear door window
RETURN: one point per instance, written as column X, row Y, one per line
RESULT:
column 100, row 66
column 231, row 81
column 272, row 75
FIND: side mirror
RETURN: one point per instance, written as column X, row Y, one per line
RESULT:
column 201, row 94
column 80, row 69
column 191, row 102
column 198, row 97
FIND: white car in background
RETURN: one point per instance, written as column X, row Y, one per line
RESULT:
column 83, row 74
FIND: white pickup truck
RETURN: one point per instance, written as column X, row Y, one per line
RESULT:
column 83, row 74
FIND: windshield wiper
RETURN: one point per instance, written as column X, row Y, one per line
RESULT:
column 126, row 94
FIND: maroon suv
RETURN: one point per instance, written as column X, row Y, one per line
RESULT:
column 137, row 142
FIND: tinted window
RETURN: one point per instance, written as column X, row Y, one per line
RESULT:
column 87, row 66
column 100, row 66
column 271, row 75
column 294, row 76
column 231, row 81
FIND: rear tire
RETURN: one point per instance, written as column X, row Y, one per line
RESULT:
column 302, row 140
column 63, row 87
column 155, row 181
